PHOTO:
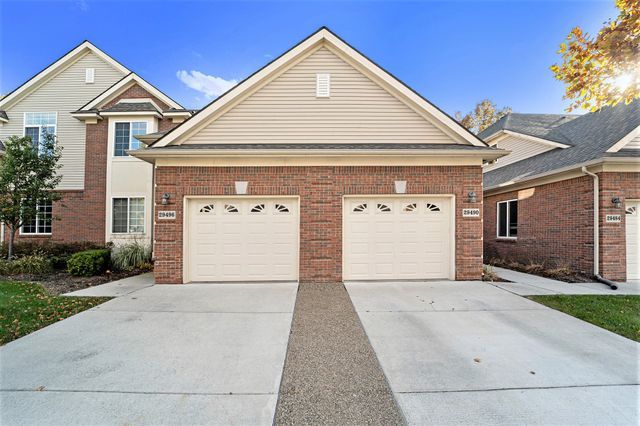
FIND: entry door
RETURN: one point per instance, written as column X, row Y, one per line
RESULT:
column 633, row 240
column 397, row 238
column 242, row 239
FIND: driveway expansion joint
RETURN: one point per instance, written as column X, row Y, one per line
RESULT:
column 517, row 388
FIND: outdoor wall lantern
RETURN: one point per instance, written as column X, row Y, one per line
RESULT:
column 472, row 197
column 616, row 202
column 400, row 186
column 165, row 198
column 241, row 188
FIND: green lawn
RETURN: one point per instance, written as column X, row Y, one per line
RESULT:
column 27, row 307
column 620, row 314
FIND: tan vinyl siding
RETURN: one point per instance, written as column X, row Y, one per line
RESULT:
column 287, row 110
column 64, row 93
column 633, row 143
column 520, row 149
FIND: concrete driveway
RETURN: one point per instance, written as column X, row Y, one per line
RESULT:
column 472, row 353
column 196, row 354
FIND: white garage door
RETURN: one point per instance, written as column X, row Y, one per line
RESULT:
column 633, row 240
column 397, row 238
column 242, row 239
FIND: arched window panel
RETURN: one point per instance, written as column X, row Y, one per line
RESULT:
column 258, row 208
column 208, row 209
column 360, row 208
column 410, row 208
column 231, row 208
column 281, row 208
column 432, row 207
column 632, row 211
column 383, row 208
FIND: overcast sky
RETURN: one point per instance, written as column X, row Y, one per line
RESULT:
column 454, row 53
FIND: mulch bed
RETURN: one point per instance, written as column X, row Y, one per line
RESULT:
column 59, row 282
column 561, row 274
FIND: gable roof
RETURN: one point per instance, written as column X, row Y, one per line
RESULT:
column 543, row 126
column 60, row 64
column 123, row 84
column 591, row 137
column 322, row 37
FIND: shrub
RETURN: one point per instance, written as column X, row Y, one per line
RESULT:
column 33, row 264
column 129, row 256
column 89, row 262
column 58, row 253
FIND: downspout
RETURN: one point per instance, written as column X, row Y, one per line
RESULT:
column 596, row 229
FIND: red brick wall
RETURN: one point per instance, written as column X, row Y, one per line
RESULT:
column 81, row 214
column 613, row 249
column 320, row 190
column 555, row 224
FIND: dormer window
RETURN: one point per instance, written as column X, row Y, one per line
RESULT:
column 125, row 137
column 89, row 75
column 323, row 85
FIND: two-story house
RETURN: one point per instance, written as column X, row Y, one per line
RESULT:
column 95, row 107
column 568, row 194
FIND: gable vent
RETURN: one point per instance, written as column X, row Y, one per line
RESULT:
column 323, row 85
column 89, row 75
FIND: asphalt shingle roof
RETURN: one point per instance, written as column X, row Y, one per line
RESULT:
column 589, row 135
column 539, row 125
column 131, row 107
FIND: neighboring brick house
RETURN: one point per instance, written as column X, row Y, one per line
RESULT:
column 539, row 200
column 322, row 167
column 95, row 106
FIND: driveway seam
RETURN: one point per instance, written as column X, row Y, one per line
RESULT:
column 138, row 392
column 517, row 388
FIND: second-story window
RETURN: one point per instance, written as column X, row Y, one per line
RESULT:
column 37, row 125
column 125, row 137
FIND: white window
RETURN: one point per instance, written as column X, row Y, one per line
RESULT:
column 507, row 219
column 125, row 137
column 127, row 215
column 89, row 75
column 323, row 85
column 41, row 224
column 37, row 125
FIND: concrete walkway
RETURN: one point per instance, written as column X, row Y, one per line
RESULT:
column 331, row 374
column 116, row 288
column 472, row 353
column 196, row 354
column 533, row 285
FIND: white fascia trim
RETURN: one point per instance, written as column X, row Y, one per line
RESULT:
column 124, row 84
column 147, row 154
column 176, row 114
column 307, row 45
column 52, row 69
column 86, row 116
column 536, row 139
column 134, row 113
column 625, row 140
column 3, row 120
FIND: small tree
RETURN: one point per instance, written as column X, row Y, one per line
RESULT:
column 483, row 115
column 603, row 70
column 28, row 176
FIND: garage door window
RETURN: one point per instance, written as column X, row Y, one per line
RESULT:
column 631, row 211
column 432, row 207
column 230, row 208
column 258, row 208
column 360, row 208
column 508, row 219
column 281, row 208
column 383, row 208
column 410, row 208
column 208, row 209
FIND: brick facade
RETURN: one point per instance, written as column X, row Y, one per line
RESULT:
column 81, row 214
column 320, row 190
column 555, row 224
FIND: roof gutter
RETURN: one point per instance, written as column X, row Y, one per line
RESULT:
column 596, row 229
column 151, row 154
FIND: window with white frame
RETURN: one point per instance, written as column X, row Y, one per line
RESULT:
column 125, row 136
column 41, row 224
column 127, row 215
column 508, row 219
column 37, row 125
